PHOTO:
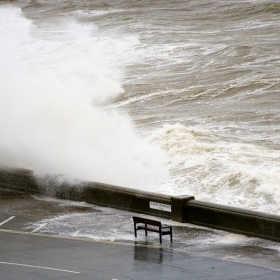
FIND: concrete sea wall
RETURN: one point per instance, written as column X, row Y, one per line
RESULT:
column 183, row 209
column 18, row 180
column 232, row 219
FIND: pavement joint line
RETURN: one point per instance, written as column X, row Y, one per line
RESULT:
column 7, row 220
column 38, row 228
column 42, row 267
column 80, row 239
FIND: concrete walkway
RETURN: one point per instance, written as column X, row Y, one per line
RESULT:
column 36, row 256
column 45, row 239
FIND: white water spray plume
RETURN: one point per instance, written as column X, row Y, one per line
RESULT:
column 54, row 80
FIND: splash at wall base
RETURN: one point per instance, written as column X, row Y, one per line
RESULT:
column 184, row 209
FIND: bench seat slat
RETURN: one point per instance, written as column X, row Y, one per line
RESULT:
column 153, row 228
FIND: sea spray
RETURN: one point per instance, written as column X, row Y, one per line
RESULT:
column 55, row 80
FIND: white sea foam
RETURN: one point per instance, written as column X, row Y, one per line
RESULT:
column 55, row 80
column 215, row 170
column 85, row 14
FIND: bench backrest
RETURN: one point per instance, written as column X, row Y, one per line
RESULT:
column 146, row 221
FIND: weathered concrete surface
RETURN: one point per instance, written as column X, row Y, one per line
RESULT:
column 116, row 197
column 232, row 219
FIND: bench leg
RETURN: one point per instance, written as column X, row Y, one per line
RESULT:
column 135, row 231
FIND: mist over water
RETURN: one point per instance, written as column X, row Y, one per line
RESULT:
column 180, row 97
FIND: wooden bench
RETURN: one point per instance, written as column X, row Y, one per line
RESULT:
column 151, row 225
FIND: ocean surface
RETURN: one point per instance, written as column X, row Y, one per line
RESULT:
column 175, row 97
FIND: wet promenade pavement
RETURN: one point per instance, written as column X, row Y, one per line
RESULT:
column 51, row 239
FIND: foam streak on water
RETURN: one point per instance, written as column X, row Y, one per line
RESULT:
column 132, row 92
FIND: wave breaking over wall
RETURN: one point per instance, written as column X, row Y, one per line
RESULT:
column 58, row 76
